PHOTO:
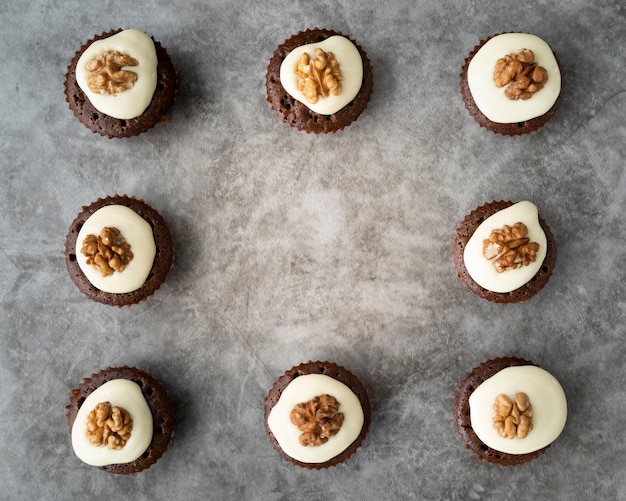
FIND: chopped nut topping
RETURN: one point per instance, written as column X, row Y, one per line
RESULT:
column 509, row 248
column 523, row 75
column 110, row 426
column 107, row 75
column 317, row 419
column 513, row 418
column 319, row 76
column 109, row 252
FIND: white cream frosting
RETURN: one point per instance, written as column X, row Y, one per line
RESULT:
column 546, row 397
column 137, row 232
column 350, row 64
column 303, row 389
column 491, row 99
column 133, row 102
column 482, row 270
column 121, row 393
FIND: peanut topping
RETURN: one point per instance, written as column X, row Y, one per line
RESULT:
column 319, row 76
column 317, row 419
column 109, row 252
column 110, row 426
column 509, row 248
column 107, row 75
column 523, row 75
column 513, row 418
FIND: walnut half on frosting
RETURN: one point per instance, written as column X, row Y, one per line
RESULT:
column 107, row 75
column 509, row 247
column 522, row 76
column 109, row 425
column 513, row 418
column 317, row 419
column 320, row 76
column 109, row 252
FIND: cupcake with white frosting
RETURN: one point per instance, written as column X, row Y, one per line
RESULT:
column 319, row 81
column 317, row 414
column 119, row 250
column 508, row 410
column 121, row 420
column 511, row 83
column 504, row 252
column 121, row 83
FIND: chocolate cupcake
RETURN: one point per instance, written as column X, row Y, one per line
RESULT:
column 511, row 83
column 319, row 81
column 504, row 252
column 121, row 420
column 121, row 83
column 119, row 250
column 317, row 415
column 509, row 410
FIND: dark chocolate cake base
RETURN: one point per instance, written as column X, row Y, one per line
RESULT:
column 465, row 231
column 105, row 125
column 472, row 380
column 158, row 400
column 336, row 372
column 510, row 129
column 297, row 114
column 163, row 260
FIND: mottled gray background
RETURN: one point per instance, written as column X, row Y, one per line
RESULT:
column 293, row 247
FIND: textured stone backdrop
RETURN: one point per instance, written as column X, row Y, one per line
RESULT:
column 293, row 247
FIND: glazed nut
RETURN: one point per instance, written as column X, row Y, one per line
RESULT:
column 522, row 401
column 525, row 56
column 513, row 418
column 507, row 68
column 539, row 75
column 509, row 248
column 320, row 76
column 510, row 428
column 518, row 89
column 522, row 76
column 318, row 419
column 524, row 426
column 503, row 405
column 108, row 252
column 107, row 75
column 109, row 426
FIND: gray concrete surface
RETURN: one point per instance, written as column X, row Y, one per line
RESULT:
column 293, row 247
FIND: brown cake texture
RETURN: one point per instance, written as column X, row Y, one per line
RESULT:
column 297, row 114
column 336, row 372
column 465, row 231
column 472, row 380
column 505, row 129
column 163, row 260
column 158, row 400
column 110, row 127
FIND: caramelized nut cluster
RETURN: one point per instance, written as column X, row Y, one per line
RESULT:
column 509, row 248
column 107, row 75
column 320, row 76
column 317, row 419
column 108, row 425
column 524, row 76
column 513, row 417
column 108, row 252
